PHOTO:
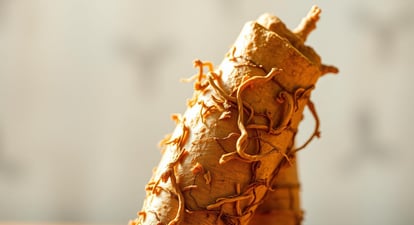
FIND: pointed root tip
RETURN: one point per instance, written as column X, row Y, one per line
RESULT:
column 328, row 69
column 223, row 159
column 308, row 23
column 197, row 62
column 314, row 12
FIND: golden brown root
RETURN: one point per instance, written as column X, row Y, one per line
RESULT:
column 227, row 155
column 308, row 23
column 281, row 206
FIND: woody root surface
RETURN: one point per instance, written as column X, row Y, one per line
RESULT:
column 231, row 157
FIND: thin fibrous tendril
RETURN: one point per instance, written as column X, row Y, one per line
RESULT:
column 198, row 84
column 274, row 148
column 300, row 93
column 241, row 143
column 181, row 207
column 221, row 201
column 316, row 132
column 170, row 171
column 226, row 96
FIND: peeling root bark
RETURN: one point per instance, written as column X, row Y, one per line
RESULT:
column 223, row 163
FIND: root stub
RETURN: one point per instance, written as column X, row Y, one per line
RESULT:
column 224, row 162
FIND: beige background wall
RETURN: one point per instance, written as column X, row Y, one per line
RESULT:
column 87, row 87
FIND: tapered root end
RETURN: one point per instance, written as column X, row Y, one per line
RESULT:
column 308, row 24
column 328, row 69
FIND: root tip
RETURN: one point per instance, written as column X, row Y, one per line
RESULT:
column 328, row 69
column 308, row 24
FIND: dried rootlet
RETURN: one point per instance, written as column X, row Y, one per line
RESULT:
column 231, row 156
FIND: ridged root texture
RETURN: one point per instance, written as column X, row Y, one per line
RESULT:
column 228, row 147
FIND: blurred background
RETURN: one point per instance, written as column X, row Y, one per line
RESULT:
column 87, row 88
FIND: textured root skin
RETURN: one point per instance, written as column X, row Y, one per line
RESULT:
column 281, row 205
column 220, row 162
